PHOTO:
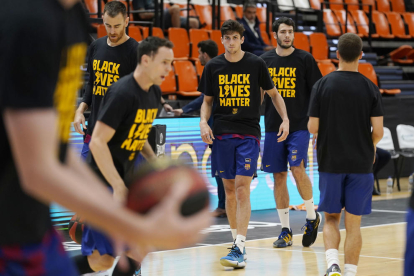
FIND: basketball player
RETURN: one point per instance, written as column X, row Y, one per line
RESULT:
column 343, row 106
column 43, row 46
column 294, row 72
column 409, row 249
column 233, row 81
column 109, row 59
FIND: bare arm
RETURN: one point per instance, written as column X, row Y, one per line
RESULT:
column 205, row 113
column 313, row 127
column 167, row 107
column 80, row 118
column 146, row 15
column 280, row 106
column 377, row 129
column 147, row 151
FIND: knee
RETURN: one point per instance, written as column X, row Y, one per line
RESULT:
column 175, row 9
column 280, row 178
column 193, row 23
column 100, row 262
column 230, row 191
column 242, row 193
column 298, row 172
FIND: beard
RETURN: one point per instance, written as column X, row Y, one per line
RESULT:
column 118, row 37
column 280, row 43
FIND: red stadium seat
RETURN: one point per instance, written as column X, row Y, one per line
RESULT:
column 204, row 15
column 319, row 46
column 409, row 20
column 135, row 33
column 398, row 6
column 169, row 85
column 199, row 68
column 352, row 4
column 369, row 2
column 368, row 71
column 331, row 23
column 216, row 37
column 326, row 68
column 340, row 15
column 362, row 23
column 196, row 35
column 381, row 25
column 397, row 25
column 179, row 37
column 383, row 5
column 336, row 4
column 301, row 41
column 187, row 78
column 265, row 37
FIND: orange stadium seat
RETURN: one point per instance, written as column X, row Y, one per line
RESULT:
column 199, row 68
column 101, row 31
column 92, row 6
column 361, row 20
column 326, row 68
column 187, row 78
column 398, row 6
column 301, row 41
column 155, row 32
column 368, row 71
column 273, row 40
column 179, row 37
column 319, row 46
column 265, row 37
column 204, row 15
column 340, row 15
column 410, row 55
column 397, row 25
column 369, row 2
column 261, row 14
column 226, row 12
column 400, row 55
column 169, row 85
column 196, row 35
column 409, row 20
column 352, row 4
column 381, row 25
column 315, row 4
column 239, row 11
column 331, row 23
column 336, row 4
column 215, row 35
column 135, row 33
column 383, row 5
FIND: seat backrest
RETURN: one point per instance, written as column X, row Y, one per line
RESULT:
column 381, row 23
column 169, row 85
column 239, row 11
column 319, row 45
column 386, row 142
column 409, row 19
column 215, row 35
column 352, row 4
column 187, row 76
column 315, row 4
column 101, row 31
column 179, row 37
column 197, row 35
column 383, row 5
column 301, row 41
column 304, row 4
column 226, row 13
column 326, row 67
column 199, row 68
column 405, row 134
column 368, row 71
column 398, row 6
column 368, row 2
column 361, row 20
column 261, row 14
column 341, row 14
column 156, row 31
column 397, row 24
column 265, row 37
column 204, row 15
column 135, row 33
column 336, row 4
column 331, row 23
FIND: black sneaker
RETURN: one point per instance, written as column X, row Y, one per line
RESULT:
column 334, row 270
column 285, row 239
column 311, row 230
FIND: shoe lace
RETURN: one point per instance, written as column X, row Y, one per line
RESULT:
column 234, row 252
column 284, row 235
column 308, row 226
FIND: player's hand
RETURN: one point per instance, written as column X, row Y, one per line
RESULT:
column 168, row 108
column 206, row 133
column 314, row 139
column 375, row 154
column 79, row 119
column 120, row 193
column 283, row 131
column 178, row 112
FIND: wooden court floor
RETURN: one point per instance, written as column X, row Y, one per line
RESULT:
column 382, row 254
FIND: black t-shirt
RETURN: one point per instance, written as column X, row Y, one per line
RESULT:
column 235, row 87
column 344, row 102
column 294, row 76
column 106, row 65
column 130, row 111
column 41, row 51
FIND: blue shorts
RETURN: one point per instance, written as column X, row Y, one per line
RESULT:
column 47, row 258
column 352, row 191
column 293, row 150
column 409, row 249
column 85, row 148
column 95, row 240
column 234, row 156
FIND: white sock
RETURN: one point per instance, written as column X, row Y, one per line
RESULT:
column 284, row 217
column 234, row 234
column 310, row 209
column 240, row 241
column 332, row 257
column 350, row 270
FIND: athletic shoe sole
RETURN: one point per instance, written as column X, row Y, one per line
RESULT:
column 235, row 264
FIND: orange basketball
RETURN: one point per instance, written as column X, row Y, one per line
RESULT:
column 75, row 228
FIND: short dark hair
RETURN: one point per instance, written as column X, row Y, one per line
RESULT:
column 230, row 26
column 208, row 46
column 114, row 8
column 150, row 46
column 249, row 4
column 349, row 47
column 282, row 20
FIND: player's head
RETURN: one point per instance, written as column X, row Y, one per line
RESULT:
column 156, row 55
column 349, row 48
column 115, row 20
column 232, row 36
column 207, row 49
column 284, row 32
column 249, row 11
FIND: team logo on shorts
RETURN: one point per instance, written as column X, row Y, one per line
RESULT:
column 247, row 160
column 234, row 110
column 247, row 167
column 294, row 151
column 293, row 157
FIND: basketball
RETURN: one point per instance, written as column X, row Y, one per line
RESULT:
column 75, row 228
column 154, row 180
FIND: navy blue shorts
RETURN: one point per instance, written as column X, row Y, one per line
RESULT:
column 409, row 249
column 352, row 191
column 293, row 150
column 47, row 258
column 95, row 240
column 85, row 148
column 234, row 156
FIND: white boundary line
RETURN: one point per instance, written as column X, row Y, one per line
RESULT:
column 389, row 211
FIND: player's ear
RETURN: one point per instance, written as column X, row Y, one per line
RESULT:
column 337, row 54
column 126, row 21
column 242, row 39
